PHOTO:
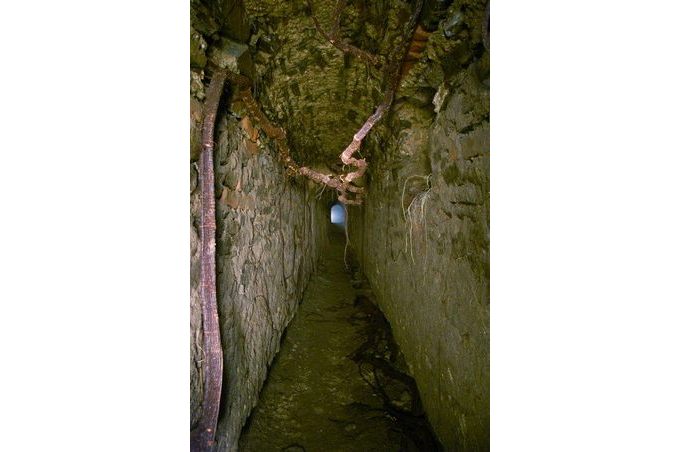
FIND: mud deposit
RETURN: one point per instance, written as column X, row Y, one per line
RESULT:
column 339, row 382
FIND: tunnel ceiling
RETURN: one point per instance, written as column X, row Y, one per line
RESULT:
column 426, row 203
column 318, row 94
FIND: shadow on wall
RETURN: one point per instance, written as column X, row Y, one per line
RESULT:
column 338, row 214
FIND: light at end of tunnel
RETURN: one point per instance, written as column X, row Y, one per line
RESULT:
column 338, row 214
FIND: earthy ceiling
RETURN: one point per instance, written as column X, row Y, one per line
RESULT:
column 318, row 94
column 310, row 87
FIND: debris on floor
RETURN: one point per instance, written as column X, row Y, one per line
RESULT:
column 339, row 382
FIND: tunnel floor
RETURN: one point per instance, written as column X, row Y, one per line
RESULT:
column 339, row 381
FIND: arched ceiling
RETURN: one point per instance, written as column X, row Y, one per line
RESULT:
column 306, row 85
column 320, row 95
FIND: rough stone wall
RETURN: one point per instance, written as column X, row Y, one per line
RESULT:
column 423, row 234
column 270, row 230
column 318, row 94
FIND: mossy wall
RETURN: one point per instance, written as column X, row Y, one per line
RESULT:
column 269, row 234
column 423, row 233
column 270, row 230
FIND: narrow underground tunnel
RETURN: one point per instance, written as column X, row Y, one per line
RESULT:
column 339, row 225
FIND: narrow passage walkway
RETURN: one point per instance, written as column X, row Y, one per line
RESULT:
column 338, row 382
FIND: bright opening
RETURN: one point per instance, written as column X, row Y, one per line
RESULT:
column 338, row 214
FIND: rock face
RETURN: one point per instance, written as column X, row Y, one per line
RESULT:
column 318, row 94
column 270, row 230
column 337, row 384
column 423, row 238
column 269, row 234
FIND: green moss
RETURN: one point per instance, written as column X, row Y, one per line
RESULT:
column 451, row 174
column 197, row 50
column 479, row 241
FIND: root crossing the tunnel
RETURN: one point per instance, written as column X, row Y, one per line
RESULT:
column 344, row 184
column 339, row 382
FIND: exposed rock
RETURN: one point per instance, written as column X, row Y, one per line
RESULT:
column 197, row 88
column 338, row 383
column 429, row 265
column 198, row 47
column 227, row 53
column 422, row 237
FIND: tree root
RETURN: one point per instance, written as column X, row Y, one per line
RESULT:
column 377, row 361
column 343, row 183
column 393, row 77
column 413, row 216
column 203, row 438
column 337, row 41
column 278, row 135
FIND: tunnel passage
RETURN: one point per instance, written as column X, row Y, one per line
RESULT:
column 339, row 382
column 421, row 232
column 338, row 214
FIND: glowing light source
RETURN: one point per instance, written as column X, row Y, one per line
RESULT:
column 338, row 214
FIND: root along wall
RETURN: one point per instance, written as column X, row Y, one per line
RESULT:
column 423, row 241
column 422, row 235
column 269, row 234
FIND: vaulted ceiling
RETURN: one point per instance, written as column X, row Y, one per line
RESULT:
column 320, row 95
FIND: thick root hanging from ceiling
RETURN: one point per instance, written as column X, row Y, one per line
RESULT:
column 343, row 183
column 334, row 38
column 278, row 135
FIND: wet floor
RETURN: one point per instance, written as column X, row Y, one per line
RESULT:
column 339, row 381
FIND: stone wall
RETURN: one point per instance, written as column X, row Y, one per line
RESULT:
column 270, row 230
column 423, row 234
